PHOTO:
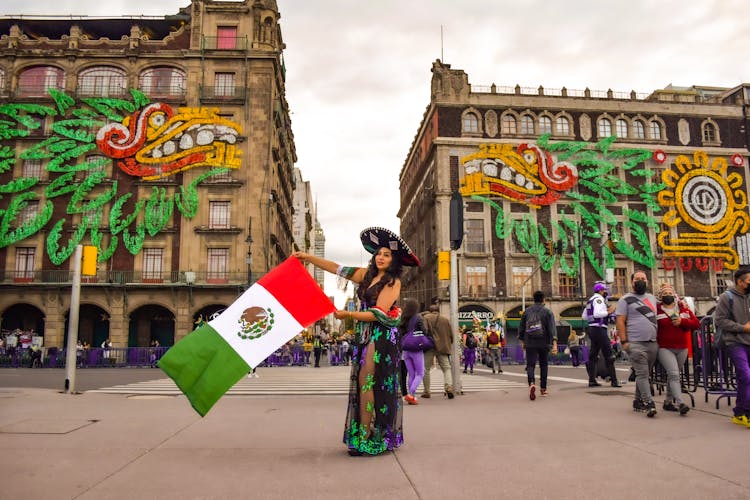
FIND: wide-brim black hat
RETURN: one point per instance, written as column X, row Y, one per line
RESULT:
column 377, row 237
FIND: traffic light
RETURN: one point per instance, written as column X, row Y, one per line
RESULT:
column 88, row 265
column 444, row 265
column 456, row 220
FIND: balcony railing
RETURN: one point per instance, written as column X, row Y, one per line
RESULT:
column 224, row 43
column 92, row 90
column 176, row 92
column 478, row 292
column 223, row 94
column 476, row 247
column 179, row 278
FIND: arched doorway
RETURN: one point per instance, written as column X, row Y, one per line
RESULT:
column 93, row 325
column 207, row 313
column 26, row 318
column 149, row 323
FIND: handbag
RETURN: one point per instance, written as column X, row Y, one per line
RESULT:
column 416, row 341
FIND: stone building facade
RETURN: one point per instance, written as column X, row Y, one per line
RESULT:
column 164, row 142
column 563, row 188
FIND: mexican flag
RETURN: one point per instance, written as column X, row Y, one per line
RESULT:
column 211, row 359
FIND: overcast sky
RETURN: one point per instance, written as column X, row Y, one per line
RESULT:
column 358, row 73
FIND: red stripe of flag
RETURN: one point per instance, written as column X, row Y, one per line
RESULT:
column 297, row 291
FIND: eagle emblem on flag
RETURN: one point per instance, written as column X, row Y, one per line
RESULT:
column 255, row 322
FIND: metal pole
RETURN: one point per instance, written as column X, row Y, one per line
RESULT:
column 75, row 304
column 457, row 387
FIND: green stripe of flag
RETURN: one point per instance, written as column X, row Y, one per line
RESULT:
column 204, row 366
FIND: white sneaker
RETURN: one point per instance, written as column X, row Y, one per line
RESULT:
column 249, row 375
column 256, row 375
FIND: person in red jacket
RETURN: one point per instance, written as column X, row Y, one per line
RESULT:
column 674, row 321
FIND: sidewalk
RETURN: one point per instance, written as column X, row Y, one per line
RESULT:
column 577, row 443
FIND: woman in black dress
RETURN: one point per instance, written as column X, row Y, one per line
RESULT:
column 373, row 421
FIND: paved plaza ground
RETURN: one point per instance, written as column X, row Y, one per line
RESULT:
column 576, row 443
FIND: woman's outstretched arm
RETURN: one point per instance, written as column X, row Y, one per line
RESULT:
column 329, row 265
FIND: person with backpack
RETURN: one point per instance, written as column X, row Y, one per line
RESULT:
column 413, row 357
column 538, row 334
column 494, row 338
column 636, row 325
column 470, row 344
column 732, row 319
column 597, row 313
column 441, row 332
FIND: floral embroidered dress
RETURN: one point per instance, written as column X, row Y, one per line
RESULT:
column 373, row 419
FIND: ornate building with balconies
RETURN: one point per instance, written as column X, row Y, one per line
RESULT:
column 563, row 187
column 166, row 143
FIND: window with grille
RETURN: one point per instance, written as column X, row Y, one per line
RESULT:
column 29, row 212
column 224, row 84
column 474, row 235
column 545, row 125
column 563, row 126
column 218, row 264
column 621, row 285
column 34, row 82
column 226, row 38
column 521, row 274
column 709, row 132
column 471, row 123
column 568, row 285
column 476, row 281
column 639, row 131
column 32, row 169
column 527, row 125
column 218, row 215
column 622, row 128
column 153, row 259
column 605, row 128
column 24, row 264
column 655, row 130
column 163, row 81
column 2, row 79
column 723, row 282
column 102, row 81
column 509, row 124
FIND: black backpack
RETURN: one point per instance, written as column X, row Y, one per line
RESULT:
column 471, row 341
column 535, row 324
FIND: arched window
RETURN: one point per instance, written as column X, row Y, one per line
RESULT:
column 471, row 123
column 654, row 130
column 102, row 81
column 527, row 125
column 605, row 128
column 163, row 81
column 562, row 126
column 709, row 132
column 509, row 125
column 545, row 125
column 34, row 82
column 621, row 127
column 639, row 131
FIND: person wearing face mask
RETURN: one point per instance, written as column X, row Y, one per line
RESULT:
column 597, row 313
column 732, row 317
column 636, row 326
column 674, row 321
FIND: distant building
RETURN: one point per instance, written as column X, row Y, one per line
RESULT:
column 164, row 142
column 319, row 250
column 562, row 188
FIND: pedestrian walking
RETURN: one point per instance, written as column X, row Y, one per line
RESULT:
column 412, row 324
column 538, row 334
column 598, row 315
column 470, row 344
column 374, row 411
column 675, row 322
column 732, row 318
column 636, row 326
column 442, row 334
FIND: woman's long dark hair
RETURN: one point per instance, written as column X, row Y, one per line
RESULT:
column 409, row 309
column 391, row 275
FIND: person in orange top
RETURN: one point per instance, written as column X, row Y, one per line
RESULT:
column 674, row 322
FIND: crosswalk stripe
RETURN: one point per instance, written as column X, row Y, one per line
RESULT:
column 294, row 381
